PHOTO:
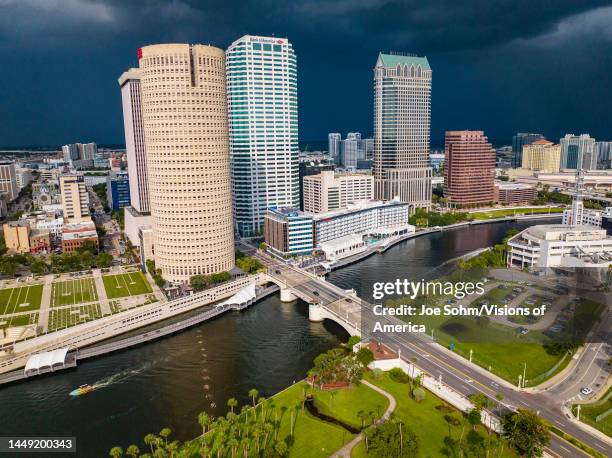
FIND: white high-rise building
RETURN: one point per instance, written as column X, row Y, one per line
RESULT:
column 333, row 145
column 263, row 125
column 184, row 113
column 402, row 114
column 578, row 152
column 351, row 150
column 134, row 139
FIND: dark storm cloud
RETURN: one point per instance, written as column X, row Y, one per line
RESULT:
column 500, row 66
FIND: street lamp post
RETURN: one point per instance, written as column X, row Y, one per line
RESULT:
column 471, row 352
column 519, row 381
column 524, row 374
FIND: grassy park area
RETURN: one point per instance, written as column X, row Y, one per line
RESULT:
column 500, row 213
column 428, row 419
column 73, row 292
column 341, row 404
column 502, row 350
column 18, row 320
column 71, row 316
column 20, row 299
column 129, row 284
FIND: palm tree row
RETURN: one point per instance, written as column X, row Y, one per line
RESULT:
column 253, row 432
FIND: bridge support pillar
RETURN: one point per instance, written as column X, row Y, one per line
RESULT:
column 315, row 312
column 287, row 296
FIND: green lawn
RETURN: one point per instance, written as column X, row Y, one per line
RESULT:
column 495, row 347
column 122, row 285
column 66, row 317
column 590, row 412
column 511, row 211
column 345, row 404
column 20, row 299
column 313, row 438
column 74, row 292
column 426, row 420
column 19, row 320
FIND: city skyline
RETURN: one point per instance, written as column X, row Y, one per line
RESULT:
column 518, row 59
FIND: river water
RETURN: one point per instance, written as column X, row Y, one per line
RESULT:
column 167, row 382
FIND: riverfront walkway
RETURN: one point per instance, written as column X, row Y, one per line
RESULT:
column 146, row 336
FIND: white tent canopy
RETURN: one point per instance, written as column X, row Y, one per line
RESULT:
column 243, row 296
column 46, row 360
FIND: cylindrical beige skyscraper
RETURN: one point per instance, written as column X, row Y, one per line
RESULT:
column 184, row 108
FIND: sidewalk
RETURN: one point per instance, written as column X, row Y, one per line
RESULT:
column 104, row 305
column 345, row 452
column 45, row 303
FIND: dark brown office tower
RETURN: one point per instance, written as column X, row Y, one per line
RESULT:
column 469, row 169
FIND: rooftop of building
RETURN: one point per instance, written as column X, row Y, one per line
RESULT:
column 357, row 207
column 393, row 60
column 340, row 174
column 79, row 227
column 557, row 231
column 542, row 141
column 18, row 223
column 510, row 186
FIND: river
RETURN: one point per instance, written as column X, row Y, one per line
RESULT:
column 167, row 382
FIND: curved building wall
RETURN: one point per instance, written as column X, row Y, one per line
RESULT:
column 184, row 105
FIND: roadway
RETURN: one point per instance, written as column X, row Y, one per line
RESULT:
column 458, row 373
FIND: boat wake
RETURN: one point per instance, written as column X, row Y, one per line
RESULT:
column 120, row 376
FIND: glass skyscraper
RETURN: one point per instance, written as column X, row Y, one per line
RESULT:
column 263, row 125
column 578, row 152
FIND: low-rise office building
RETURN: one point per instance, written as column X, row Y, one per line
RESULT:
column 514, row 193
column 343, row 247
column 288, row 231
column 21, row 238
column 329, row 191
column 17, row 236
column 558, row 245
column 76, row 234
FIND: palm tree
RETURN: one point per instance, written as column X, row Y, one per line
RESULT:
column 150, row 440
column 165, row 434
column 362, row 416
column 116, row 452
column 233, row 444
column 204, row 421
column 257, row 434
column 133, row 451
column 268, row 428
column 231, row 403
column 173, row 447
column 332, row 395
column 253, row 393
column 204, row 451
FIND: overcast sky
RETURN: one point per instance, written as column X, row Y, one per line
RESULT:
column 500, row 66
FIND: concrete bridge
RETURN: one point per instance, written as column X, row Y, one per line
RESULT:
column 325, row 300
